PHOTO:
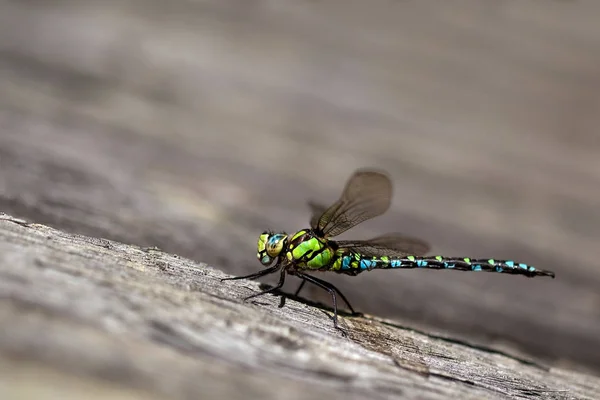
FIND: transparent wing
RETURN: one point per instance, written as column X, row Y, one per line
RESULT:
column 390, row 245
column 367, row 195
column 316, row 211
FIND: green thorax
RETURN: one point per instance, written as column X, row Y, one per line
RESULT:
column 308, row 251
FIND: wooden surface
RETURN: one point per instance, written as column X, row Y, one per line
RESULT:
column 89, row 315
column 194, row 126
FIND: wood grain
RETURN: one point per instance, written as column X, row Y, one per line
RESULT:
column 89, row 314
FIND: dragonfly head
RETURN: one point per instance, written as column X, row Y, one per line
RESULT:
column 270, row 246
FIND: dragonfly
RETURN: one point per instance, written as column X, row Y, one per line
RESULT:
column 366, row 195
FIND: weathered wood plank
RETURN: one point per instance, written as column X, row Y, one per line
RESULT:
column 92, row 314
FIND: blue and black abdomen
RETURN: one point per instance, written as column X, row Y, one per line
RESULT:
column 353, row 263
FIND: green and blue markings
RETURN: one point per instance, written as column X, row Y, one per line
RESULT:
column 433, row 262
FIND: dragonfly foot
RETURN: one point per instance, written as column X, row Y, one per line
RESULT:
column 282, row 302
column 342, row 331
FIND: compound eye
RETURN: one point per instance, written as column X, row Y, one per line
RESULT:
column 265, row 260
column 275, row 244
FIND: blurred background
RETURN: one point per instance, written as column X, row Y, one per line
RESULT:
column 194, row 125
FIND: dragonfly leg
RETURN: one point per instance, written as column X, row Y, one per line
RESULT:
column 299, row 288
column 276, row 287
column 282, row 302
column 330, row 285
column 255, row 275
column 331, row 289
